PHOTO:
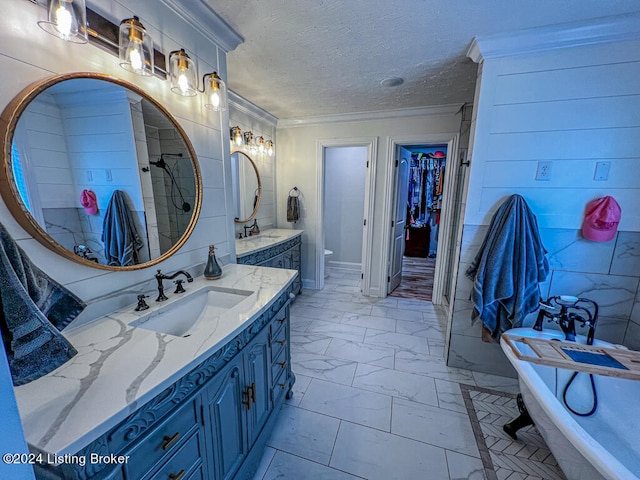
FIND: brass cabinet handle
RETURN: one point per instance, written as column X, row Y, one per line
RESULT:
column 283, row 364
column 247, row 394
column 170, row 441
column 177, row 476
column 283, row 385
column 282, row 320
column 253, row 392
column 282, row 342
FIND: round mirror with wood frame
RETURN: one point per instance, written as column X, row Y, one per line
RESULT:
column 88, row 156
column 247, row 188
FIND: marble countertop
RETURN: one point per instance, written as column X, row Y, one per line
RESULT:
column 118, row 367
column 266, row 239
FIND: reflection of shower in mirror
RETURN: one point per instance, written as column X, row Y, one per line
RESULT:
column 185, row 206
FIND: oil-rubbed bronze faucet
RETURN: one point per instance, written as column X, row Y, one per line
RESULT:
column 161, row 276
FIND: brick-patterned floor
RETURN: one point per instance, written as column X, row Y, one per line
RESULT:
column 526, row 458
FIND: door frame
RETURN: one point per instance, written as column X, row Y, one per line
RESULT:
column 451, row 139
column 371, row 143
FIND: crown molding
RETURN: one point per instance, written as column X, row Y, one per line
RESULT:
column 438, row 110
column 207, row 22
column 243, row 105
column 601, row 30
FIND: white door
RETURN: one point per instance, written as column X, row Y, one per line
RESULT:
column 399, row 221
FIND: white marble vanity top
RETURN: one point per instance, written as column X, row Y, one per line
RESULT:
column 118, row 367
column 266, row 239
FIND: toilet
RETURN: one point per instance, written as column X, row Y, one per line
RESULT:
column 327, row 254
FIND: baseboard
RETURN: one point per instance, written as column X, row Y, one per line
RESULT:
column 311, row 284
column 345, row 265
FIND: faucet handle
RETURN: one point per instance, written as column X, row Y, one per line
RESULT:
column 179, row 287
column 142, row 305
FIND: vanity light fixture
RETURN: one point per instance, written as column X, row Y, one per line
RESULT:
column 67, row 19
column 135, row 47
column 260, row 144
column 183, row 75
column 236, row 136
column 248, row 141
column 215, row 91
column 270, row 148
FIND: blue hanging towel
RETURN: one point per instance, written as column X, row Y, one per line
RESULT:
column 119, row 234
column 34, row 310
column 507, row 270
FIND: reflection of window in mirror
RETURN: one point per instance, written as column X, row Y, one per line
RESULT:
column 23, row 175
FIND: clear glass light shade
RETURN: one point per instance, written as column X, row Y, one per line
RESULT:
column 183, row 75
column 236, row 136
column 270, row 148
column 215, row 92
column 248, row 141
column 135, row 47
column 67, row 19
column 260, row 144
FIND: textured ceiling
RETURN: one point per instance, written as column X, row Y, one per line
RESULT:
column 321, row 57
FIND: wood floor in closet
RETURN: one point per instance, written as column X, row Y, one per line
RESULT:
column 417, row 278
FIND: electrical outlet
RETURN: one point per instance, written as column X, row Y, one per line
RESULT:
column 544, row 171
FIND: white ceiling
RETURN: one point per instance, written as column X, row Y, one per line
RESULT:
column 321, row 57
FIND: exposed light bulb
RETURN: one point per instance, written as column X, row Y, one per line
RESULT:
column 183, row 83
column 214, row 99
column 270, row 148
column 135, row 58
column 63, row 20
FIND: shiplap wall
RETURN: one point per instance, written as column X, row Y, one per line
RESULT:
column 572, row 106
column 28, row 54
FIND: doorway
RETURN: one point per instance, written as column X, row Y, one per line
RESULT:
column 368, row 145
column 345, row 172
column 420, row 190
column 448, row 144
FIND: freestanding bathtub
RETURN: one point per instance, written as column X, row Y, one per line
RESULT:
column 603, row 445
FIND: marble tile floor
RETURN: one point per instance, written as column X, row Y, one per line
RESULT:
column 373, row 398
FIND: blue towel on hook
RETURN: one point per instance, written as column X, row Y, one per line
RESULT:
column 34, row 309
column 507, row 270
column 119, row 234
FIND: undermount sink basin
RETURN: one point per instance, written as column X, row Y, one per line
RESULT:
column 180, row 316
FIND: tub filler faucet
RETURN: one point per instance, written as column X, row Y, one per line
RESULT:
column 566, row 311
column 161, row 276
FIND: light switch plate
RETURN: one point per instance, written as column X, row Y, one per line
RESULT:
column 602, row 171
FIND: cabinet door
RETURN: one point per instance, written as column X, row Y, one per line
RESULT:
column 225, row 424
column 257, row 366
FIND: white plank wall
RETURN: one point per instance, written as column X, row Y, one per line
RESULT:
column 573, row 107
column 28, row 54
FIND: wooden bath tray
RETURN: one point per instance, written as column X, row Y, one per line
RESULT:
column 612, row 362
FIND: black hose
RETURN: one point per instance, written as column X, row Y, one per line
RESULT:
column 595, row 396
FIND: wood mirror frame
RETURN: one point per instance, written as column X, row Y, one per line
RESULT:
column 259, row 194
column 9, row 191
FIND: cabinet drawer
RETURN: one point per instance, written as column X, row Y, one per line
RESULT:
column 280, row 363
column 162, row 441
column 182, row 464
column 278, row 341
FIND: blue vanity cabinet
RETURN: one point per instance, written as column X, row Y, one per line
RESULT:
column 286, row 254
column 225, row 400
column 257, row 366
column 212, row 423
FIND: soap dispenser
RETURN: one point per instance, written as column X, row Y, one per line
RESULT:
column 212, row 270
